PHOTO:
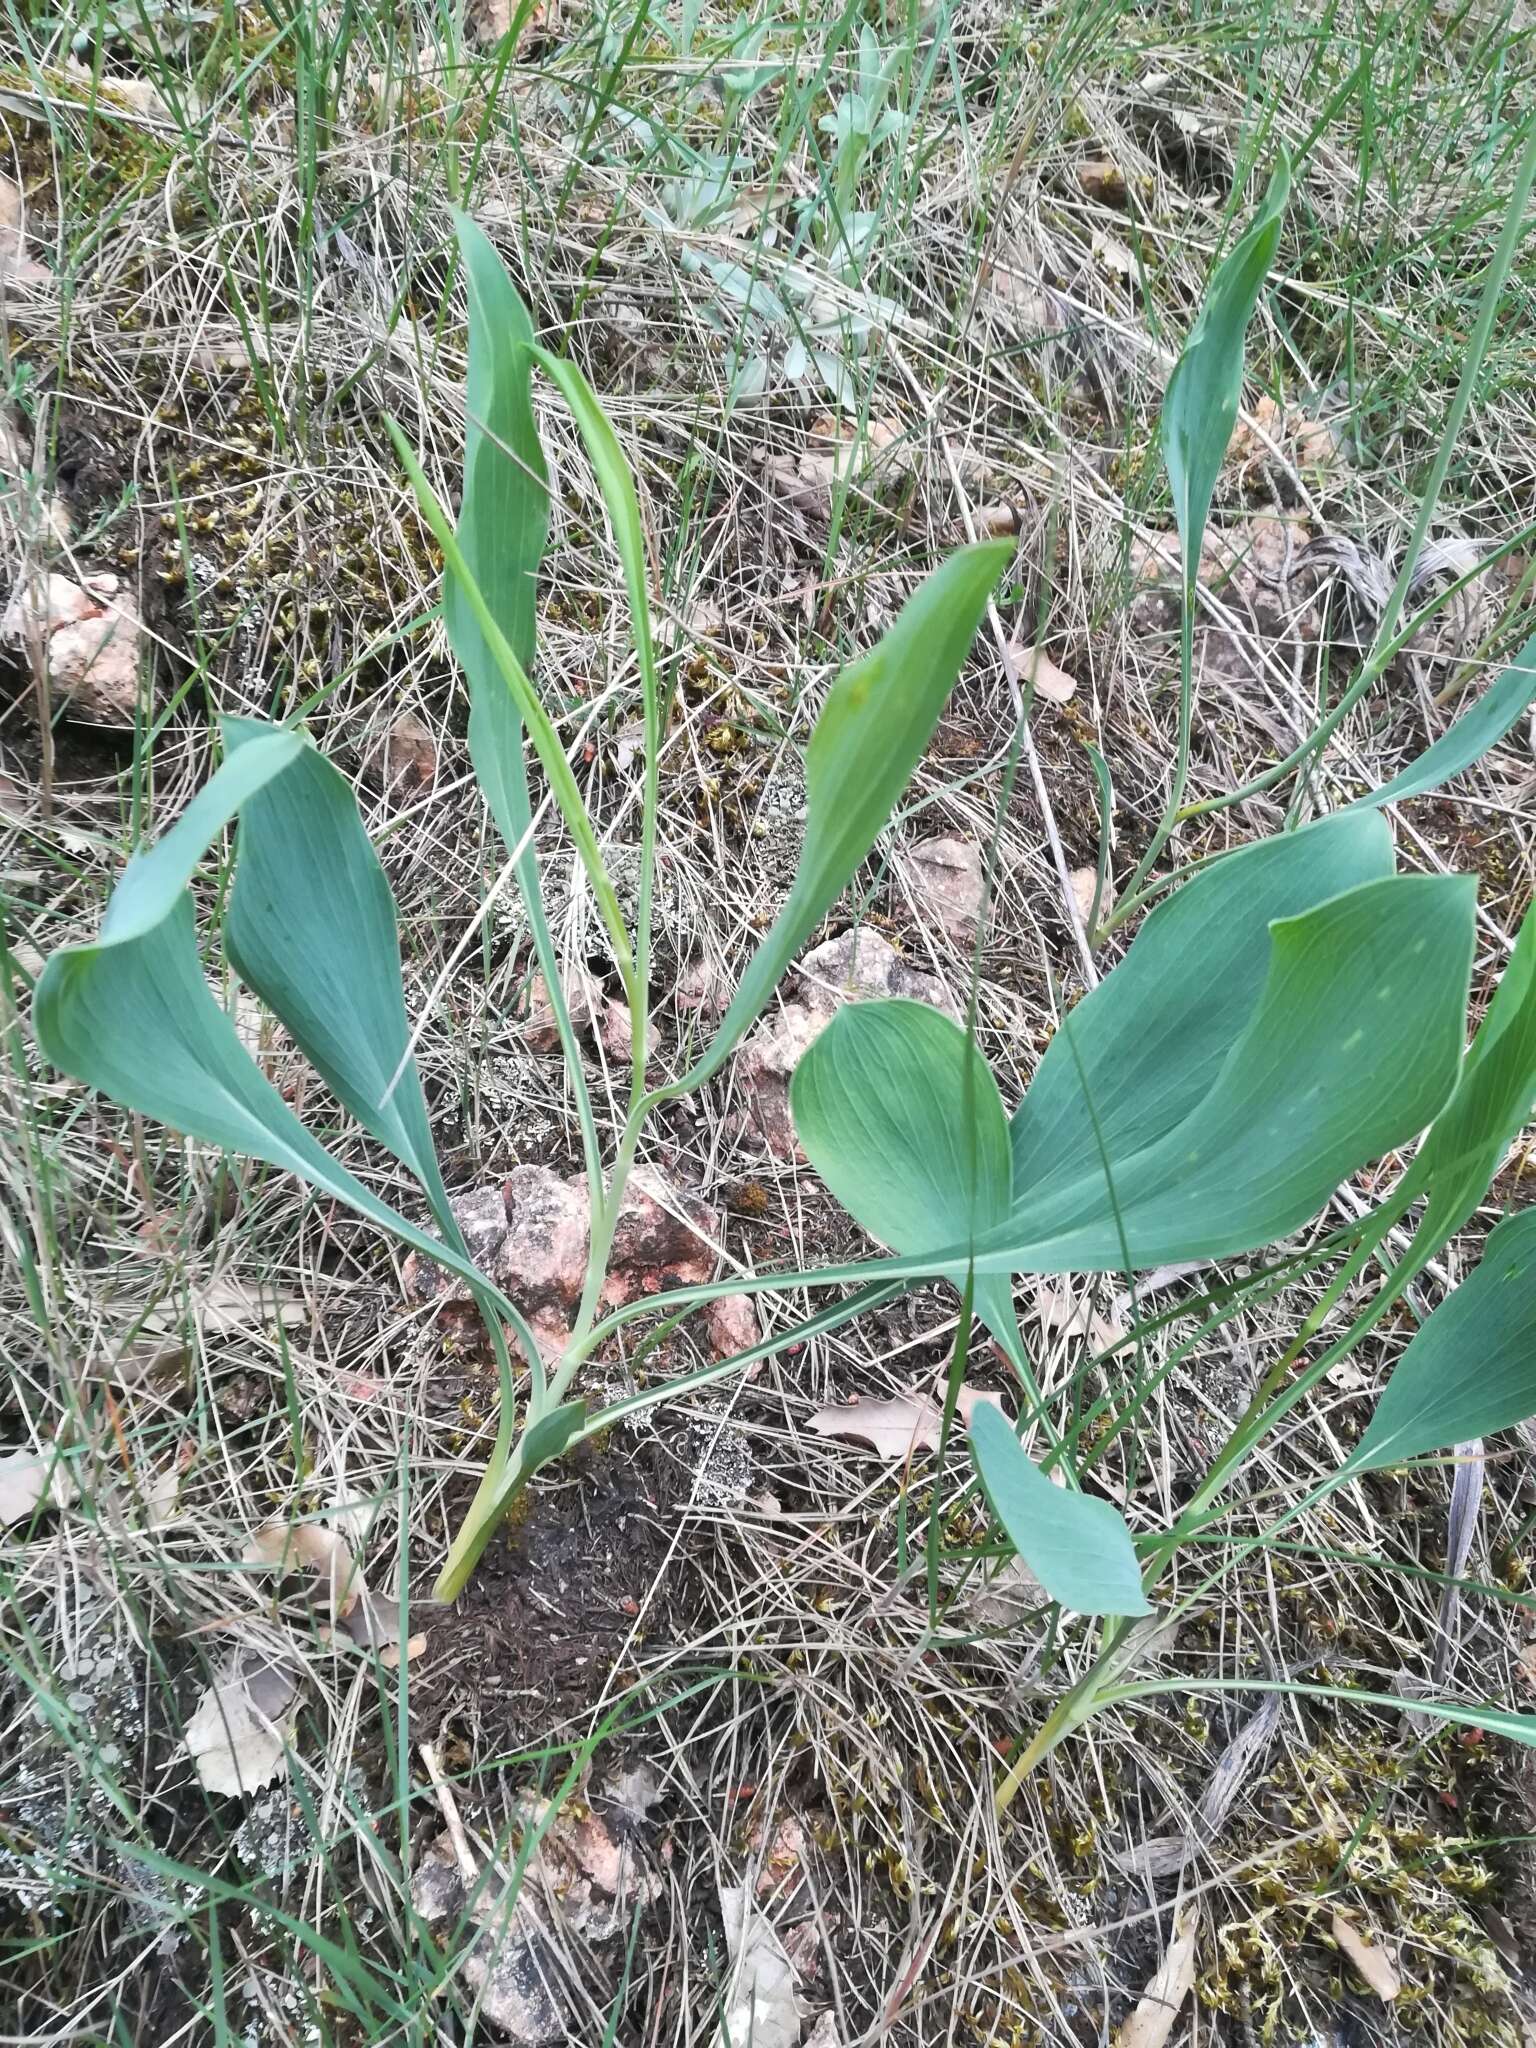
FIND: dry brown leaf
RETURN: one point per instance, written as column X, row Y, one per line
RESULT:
column 1084, row 882
column 893, row 1429
column 996, row 522
column 227, row 1305
column 16, row 266
column 238, row 1734
column 26, row 1480
column 1160, row 2004
column 762, row 2005
column 372, row 1621
column 1051, row 683
column 1060, row 1313
column 1374, row 1962
column 406, row 763
column 969, row 1399
column 1113, row 254
column 320, row 1549
column 1006, row 1596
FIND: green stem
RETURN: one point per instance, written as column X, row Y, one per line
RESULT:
column 1171, row 810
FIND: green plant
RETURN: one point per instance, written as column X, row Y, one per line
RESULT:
column 1293, row 1012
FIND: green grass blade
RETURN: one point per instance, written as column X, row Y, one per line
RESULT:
column 618, row 489
column 503, row 524
column 1491, row 1720
column 502, row 533
column 546, row 741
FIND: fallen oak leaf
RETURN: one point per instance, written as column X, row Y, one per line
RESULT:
column 893, row 1429
column 1051, row 683
column 287, row 1546
column 1161, row 2003
column 763, row 2007
column 372, row 1621
column 28, row 1481
column 239, row 1732
column 1373, row 1961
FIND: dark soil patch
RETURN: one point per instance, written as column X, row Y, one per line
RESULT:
column 533, row 1643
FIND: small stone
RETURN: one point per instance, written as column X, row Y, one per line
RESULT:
column 542, row 1258
column 946, row 877
column 762, row 1070
column 702, row 987
column 1103, row 180
column 731, row 1324
column 654, row 1248
column 859, row 964
column 863, row 963
column 92, row 635
column 481, row 1215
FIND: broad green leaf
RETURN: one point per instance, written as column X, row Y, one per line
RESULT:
column 874, row 725
column 1201, row 402
column 502, row 531
column 1142, row 1049
column 1077, row 1547
column 310, row 927
column 1470, row 736
column 1470, row 1371
column 1353, row 1047
column 1493, row 1102
column 504, row 520
column 132, row 1015
column 899, row 1114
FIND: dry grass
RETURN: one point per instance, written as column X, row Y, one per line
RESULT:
column 247, row 280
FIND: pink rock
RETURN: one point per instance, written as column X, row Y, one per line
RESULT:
column 702, row 987
column 583, row 1000
column 665, row 1237
column 731, row 1324
column 482, row 1216
column 542, row 1258
column 762, row 1069
column 946, row 878
column 551, row 1332
column 616, row 1028
column 860, row 964
column 93, row 634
